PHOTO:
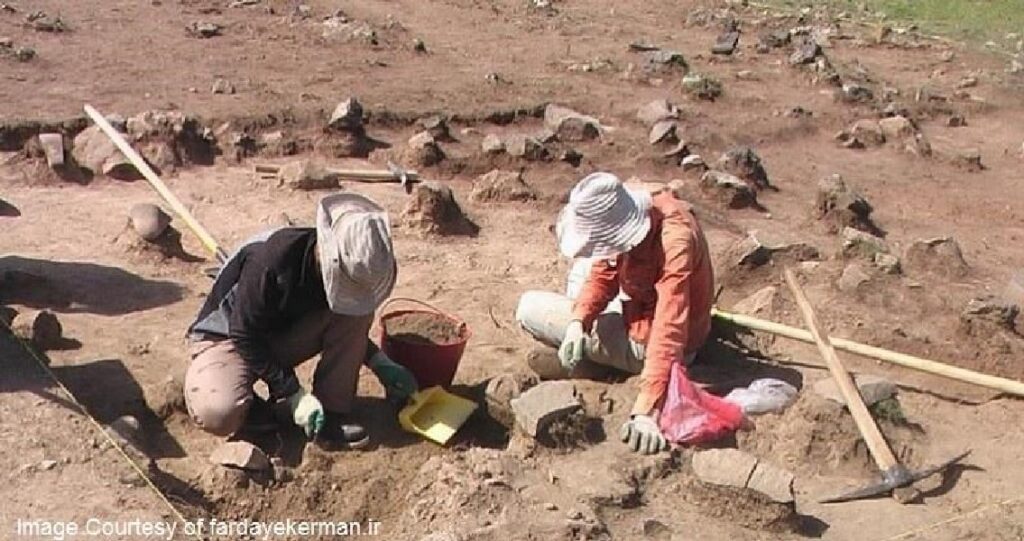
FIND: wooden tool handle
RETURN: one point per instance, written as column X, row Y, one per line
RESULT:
column 928, row 366
column 156, row 183
column 879, row 448
column 370, row 175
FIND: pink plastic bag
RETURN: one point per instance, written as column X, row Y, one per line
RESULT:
column 690, row 415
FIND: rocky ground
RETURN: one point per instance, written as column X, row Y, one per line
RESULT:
column 880, row 164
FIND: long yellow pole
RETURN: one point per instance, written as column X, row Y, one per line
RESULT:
column 157, row 184
column 1005, row 385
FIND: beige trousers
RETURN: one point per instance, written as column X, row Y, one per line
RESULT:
column 219, row 383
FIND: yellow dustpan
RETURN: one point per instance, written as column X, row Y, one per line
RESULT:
column 436, row 414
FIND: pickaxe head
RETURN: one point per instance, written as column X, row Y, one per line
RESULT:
column 402, row 175
column 896, row 477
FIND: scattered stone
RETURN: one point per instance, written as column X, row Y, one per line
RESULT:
column 419, row 45
column 492, row 144
column 968, row 159
column 500, row 391
column 536, row 409
column 805, row 53
column 169, row 397
column 855, row 93
column 726, row 467
column 307, row 175
column 347, row 116
column 661, row 60
column 747, row 252
column 526, row 147
column 990, row 308
column 763, row 302
column 852, row 278
column 46, row 465
column 729, row 189
column 92, row 148
column 24, row 54
column 917, row 145
column 657, row 111
column 148, row 220
column 499, row 185
column 423, row 150
column 702, row 86
column 857, row 243
column 693, row 162
column 940, row 256
column 204, row 30
column 841, row 206
column 887, row 263
column 41, row 22
column 746, row 164
column 677, row 152
column 655, row 529
column 746, row 75
column 119, row 167
column 956, row 121
column 53, row 147
column 774, row 482
column 568, row 125
column 897, row 127
column 42, row 329
column 872, row 388
column 433, row 210
column 437, row 126
column 571, row 156
column 726, row 43
column 775, row 40
column 223, row 86
column 967, row 82
column 868, row 132
column 240, row 455
column 797, row 112
column 127, row 430
column 663, row 131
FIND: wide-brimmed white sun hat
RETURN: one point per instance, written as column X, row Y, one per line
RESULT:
column 603, row 218
column 357, row 258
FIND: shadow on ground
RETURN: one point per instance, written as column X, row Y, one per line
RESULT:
column 66, row 286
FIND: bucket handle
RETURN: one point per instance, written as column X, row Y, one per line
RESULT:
column 381, row 311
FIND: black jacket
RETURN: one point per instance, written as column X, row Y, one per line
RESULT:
column 265, row 288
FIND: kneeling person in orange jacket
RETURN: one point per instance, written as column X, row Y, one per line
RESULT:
column 652, row 249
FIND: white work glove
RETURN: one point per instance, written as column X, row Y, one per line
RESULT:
column 571, row 351
column 642, row 435
column 307, row 412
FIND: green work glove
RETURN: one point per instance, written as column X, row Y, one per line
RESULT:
column 307, row 411
column 398, row 381
column 642, row 435
column 571, row 351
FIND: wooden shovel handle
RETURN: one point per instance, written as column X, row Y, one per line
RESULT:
column 879, row 448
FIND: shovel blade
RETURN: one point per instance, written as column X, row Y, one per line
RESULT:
column 885, row 486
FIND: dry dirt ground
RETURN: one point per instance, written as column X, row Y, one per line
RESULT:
column 490, row 65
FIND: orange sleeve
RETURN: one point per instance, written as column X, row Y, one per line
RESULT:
column 601, row 287
column 670, row 327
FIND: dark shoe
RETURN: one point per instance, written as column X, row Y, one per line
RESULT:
column 341, row 433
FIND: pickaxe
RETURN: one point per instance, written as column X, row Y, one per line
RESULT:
column 394, row 173
column 894, row 474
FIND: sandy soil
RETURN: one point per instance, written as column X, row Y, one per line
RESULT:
column 128, row 306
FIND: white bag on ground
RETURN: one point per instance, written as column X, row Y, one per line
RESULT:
column 766, row 395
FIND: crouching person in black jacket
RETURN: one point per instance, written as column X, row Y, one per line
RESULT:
column 279, row 301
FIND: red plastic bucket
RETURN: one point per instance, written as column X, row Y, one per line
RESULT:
column 431, row 364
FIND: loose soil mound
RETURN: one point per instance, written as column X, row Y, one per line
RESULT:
column 424, row 328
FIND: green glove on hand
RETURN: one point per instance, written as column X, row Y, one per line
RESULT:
column 571, row 351
column 642, row 435
column 398, row 381
column 307, row 411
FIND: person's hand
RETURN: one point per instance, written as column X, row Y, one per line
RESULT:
column 571, row 351
column 307, row 412
column 398, row 381
column 642, row 435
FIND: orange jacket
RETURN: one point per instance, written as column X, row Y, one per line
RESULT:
column 670, row 285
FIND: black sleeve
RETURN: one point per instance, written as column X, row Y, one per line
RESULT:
column 257, row 302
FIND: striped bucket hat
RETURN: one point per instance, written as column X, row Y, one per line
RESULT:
column 603, row 218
